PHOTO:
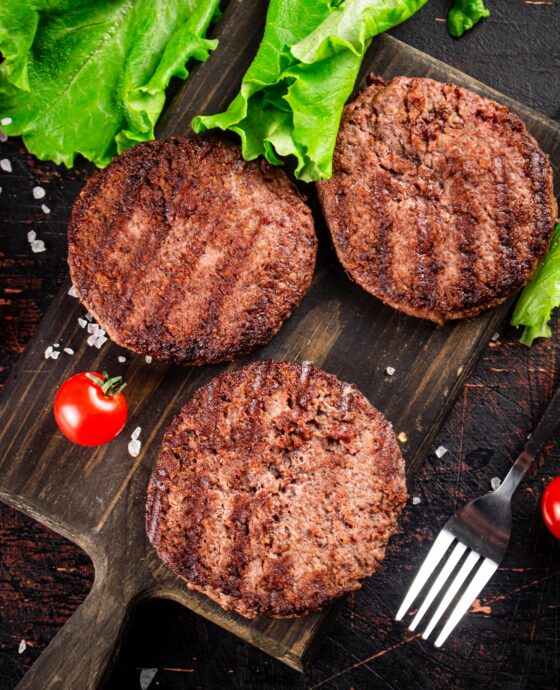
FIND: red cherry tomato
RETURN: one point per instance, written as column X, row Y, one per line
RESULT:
column 550, row 507
column 90, row 408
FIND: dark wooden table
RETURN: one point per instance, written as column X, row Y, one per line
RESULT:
column 510, row 641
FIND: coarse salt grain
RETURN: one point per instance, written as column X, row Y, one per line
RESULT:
column 6, row 165
column 72, row 292
column 134, row 447
column 56, row 345
column 495, row 483
column 22, row 647
column 495, row 337
column 121, row 359
column 441, row 451
column 82, row 322
column 69, row 350
column 92, row 328
column 91, row 340
column 136, row 433
column 31, row 235
column 3, row 136
column 37, row 246
column 146, row 677
column 5, row 121
column 55, row 354
column 148, row 359
column 100, row 340
column 0, row 190
column 38, row 192
column 416, row 500
column 390, row 371
column 45, row 208
column 48, row 352
column 88, row 316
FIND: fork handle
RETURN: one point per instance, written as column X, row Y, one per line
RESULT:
column 542, row 433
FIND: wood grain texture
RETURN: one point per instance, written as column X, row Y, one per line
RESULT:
column 117, row 484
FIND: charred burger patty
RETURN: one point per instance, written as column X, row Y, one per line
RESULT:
column 441, row 203
column 276, row 491
column 184, row 251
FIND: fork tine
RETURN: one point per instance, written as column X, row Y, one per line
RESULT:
column 443, row 576
column 484, row 573
column 454, row 587
column 434, row 556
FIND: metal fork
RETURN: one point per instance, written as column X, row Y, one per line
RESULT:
column 477, row 536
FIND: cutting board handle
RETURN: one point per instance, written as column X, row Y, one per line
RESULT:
column 84, row 651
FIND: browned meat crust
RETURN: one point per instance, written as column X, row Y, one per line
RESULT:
column 276, row 491
column 184, row 251
column 441, row 204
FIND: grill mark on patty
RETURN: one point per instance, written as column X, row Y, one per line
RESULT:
column 149, row 255
column 129, row 202
column 242, row 251
column 424, row 286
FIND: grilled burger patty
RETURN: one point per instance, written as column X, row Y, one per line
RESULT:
column 184, row 251
column 276, row 491
column 441, row 203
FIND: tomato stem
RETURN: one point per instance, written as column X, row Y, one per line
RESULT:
column 109, row 386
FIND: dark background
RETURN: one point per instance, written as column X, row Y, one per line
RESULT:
column 512, row 639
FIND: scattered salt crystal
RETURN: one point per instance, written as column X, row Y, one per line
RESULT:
column 56, row 345
column 495, row 483
column 91, row 340
column 31, row 235
column 305, row 366
column 69, row 350
column 416, row 500
column 89, row 317
column 5, row 121
column 441, row 451
column 82, row 322
column 92, row 328
column 45, row 208
column 121, row 359
column 402, row 437
column 100, row 340
column 390, row 371
column 134, row 447
column 38, row 192
column 0, row 190
column 148, row 359
column 37, row 246
column 6, row 165
column 22, row 647
column 48, row 352
column 72, row 292
column 495, row 337
column 146, row 677
column 55, row 354
column 3, row 136
column 136, row 433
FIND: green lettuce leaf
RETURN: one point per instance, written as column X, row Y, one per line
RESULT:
column 464, row 15
column 540, row 296
column 90, row 77
column 292, row 96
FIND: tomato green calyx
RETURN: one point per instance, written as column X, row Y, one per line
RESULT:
column 109, row 386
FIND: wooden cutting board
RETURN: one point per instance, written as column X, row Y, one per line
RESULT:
column 96, row 497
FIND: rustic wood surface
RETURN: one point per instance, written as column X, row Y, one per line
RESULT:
column 515, row 646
